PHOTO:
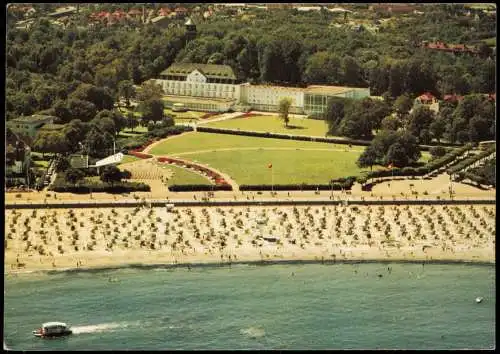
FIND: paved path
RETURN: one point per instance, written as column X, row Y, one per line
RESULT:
column 260, row 148
column 148, row 149
column 217, row 118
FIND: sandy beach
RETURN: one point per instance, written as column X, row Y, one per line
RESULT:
column 55, row 239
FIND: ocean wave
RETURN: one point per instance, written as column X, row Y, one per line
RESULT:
column 101, row 327
column 253, row 332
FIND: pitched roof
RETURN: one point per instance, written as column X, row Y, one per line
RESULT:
column 52, row 126
column 209, row 70
column 427, row 96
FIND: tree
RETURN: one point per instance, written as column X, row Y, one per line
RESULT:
column 98, row 143
column 111, row 174
column 335, row 113
column 126, row 90
column 375, row 111
column 119, row 121
column 104, row 124
column 402, row 105
column 74, row 175
column 409, row 143
column 63, row 164
column 152, row 110
column 478, row 129
column 149, row 90
column 367, row 158
column 390, row 123
column 51, row 142
column 437, row 128
column 420, row 118
column 323, row 68
column 132, row 121
column 83, row 110
column 396, row 155
column 355, row 125
column 425, row 136
column 352, row 72
column 75, row 132
column 437, row 151
column 284, row 108
column 396, row 80
column 101, row 97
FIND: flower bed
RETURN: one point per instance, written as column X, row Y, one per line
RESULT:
column 248, row 115
column 208, row 115
column 219, row 180
column 140, row 154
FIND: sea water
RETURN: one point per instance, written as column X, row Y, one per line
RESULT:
column 292, row 306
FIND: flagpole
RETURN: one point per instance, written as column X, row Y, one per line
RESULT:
column 272, row 180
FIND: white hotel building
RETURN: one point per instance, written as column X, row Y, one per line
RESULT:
column 215, row 88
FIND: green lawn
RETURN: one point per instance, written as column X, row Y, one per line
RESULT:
column 492, row 42
column 128, row 159
column 198, row 141
column 41, row 163
column 184, row 116
column 293, row 161
column 127, row 132
column 426, row 156
column 251, row 167
column 124, row 111
column 273, row 124
column 183, row 176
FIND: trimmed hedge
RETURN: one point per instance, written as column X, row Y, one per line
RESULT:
column 294, row 187
column 167, row 131
column 61, row 186
column 419, row 171
column 85, row 188
column 470, row 160
column 199, row 187
column 132, row 143
column 140, row 142
column 283, row 136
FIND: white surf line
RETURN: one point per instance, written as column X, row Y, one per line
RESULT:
column 101, row 327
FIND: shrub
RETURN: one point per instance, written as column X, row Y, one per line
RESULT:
column 294, row 187
column 199, row 188
column 61, row 186
column 437, row 151
column 163, row 132
column 283, row 136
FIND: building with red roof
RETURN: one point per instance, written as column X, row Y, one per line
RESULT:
column 426, row 98
column 452, row 48
column 164, row 11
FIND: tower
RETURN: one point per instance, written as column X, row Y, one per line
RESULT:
column 190, row 29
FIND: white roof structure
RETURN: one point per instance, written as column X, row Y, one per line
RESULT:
column 309, row 8
column 339, row 9
column 54, row 324
column 110, row 160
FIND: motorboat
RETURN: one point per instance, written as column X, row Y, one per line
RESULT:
column 53, row 329
column 479, row 299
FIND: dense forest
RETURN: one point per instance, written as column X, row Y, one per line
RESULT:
column 79, row 72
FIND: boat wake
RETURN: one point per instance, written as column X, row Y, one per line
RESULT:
column 102, row 327
column 253, row 332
